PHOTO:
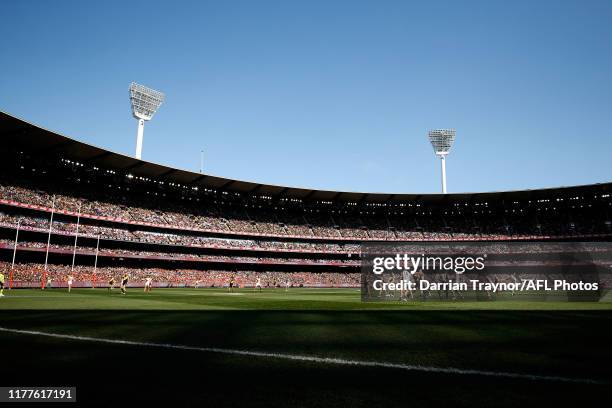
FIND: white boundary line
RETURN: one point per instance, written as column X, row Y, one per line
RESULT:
column 311, row 359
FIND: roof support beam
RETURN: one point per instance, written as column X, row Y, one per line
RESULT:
column 310, row 194
column 166, row 173
column 199, row 178
column 134, row 165
column 226, row 184
column 57, row 147
column 282, row 192
column 98, row 157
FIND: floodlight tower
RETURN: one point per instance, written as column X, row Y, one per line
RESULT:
column 442, row 140
column 145, row 102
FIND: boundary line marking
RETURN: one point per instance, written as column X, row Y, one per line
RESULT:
column 311, row 359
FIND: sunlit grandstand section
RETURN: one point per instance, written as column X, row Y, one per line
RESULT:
column 190, row 229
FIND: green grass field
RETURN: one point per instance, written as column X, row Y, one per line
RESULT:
column 267, row 299
column 570, row 340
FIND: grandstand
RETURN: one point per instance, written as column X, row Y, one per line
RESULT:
column 184, row 227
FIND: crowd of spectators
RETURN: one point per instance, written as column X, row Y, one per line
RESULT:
column 33, row 275
column 30, row 274
column 152, row 237
column 330, row 225
column 171, row 255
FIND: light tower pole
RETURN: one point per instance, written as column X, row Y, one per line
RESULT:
column 145, row 102
column 442, row 140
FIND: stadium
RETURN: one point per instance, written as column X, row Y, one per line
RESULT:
column 282, row 234
column 202, row 229
column 74, row 212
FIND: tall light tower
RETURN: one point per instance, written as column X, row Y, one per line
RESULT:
column 442, row 140
column 145, row 102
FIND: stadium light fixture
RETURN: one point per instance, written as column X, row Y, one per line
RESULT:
column 442, row 140
column 145, row 102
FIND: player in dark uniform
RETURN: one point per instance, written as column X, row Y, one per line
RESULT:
column 111, row 284
column 124, row 282
column 231, row 284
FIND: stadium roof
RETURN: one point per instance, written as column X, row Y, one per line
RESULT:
column 18, row 134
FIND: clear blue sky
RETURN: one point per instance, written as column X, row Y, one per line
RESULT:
column 327, row 94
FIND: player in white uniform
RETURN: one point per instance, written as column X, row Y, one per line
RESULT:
column 258, row 284
column 408, row 278
column 287, row 285
column 147, row 286
column 69, row 283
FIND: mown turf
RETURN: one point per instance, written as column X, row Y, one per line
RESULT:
column 268, row 299
column 327, row 323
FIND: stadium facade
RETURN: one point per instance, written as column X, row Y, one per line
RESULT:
column 187, row 228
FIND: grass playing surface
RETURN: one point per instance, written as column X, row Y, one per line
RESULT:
column 267, row 299
column 571, row 340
